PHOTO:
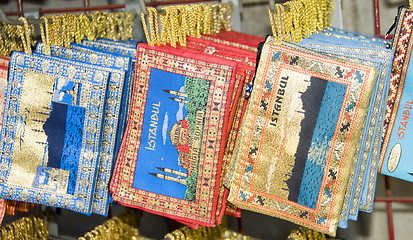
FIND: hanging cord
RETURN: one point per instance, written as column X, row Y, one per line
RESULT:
column 128, row 26
column 123, row 226
column 166, row 28
column 3, row 49
column 45, row 36
column 330, row 11
column 24, row 32
column 152, row 37
column 275, row 21
column 55, row 31
column 296, row 10
column 300, row 18
column 180, row 21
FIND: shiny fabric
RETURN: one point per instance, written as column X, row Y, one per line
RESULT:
column 299, row 134
column 53, row 116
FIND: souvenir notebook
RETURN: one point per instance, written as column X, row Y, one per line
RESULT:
column 170, row 159
column 117, row 66
column 245, row 61
column 396, row 154
column 51, row 133
column 299, row 134
column 361, row 185
column 119, row 49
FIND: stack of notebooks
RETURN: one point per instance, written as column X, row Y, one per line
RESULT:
column 185, row 112
column 308, row 148
column 169, row 116
column 65, row 112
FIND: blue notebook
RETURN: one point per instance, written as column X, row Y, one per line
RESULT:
column 51, row 134
column 361, row 186
column 110, row 139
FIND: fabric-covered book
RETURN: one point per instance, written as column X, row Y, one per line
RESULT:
column 298, row 136
column 51, row 133
column 118, row 67
column 396, row 154
column 245, row 69
column 362, row 180
column 170, row 158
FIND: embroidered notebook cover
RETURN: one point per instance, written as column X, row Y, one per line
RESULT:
column 237, row 100
column 395, row 156
column 175, row 135
column 360, row 192
column 53, row 116
column 116, row 66
column 245, row 61
column 298, row 135
column 120, row 62
column 121, row 50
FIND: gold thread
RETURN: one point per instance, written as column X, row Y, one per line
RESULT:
column 45, row 36
column 25, row 35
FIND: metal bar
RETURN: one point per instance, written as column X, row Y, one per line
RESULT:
column 4, row 18
column 86, row 4
column 240, row 226
column 20, row 7
column 79, row 9
column 106, row 7
column 394, row 199
column 159, row 3
column 376, row 18
column 389, row 208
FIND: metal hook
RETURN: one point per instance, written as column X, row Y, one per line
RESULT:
column 9, row 21
column 272, row 4
column 143, row 7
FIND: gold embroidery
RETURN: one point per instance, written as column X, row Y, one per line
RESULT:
column 31, row 140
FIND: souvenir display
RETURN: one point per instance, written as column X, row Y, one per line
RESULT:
column 395, row 154
column 200, row 121
column 121, row 50
column 289, row 164
column 6, row 206
column 245, row 70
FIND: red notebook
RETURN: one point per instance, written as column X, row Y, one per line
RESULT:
column 171, row 155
